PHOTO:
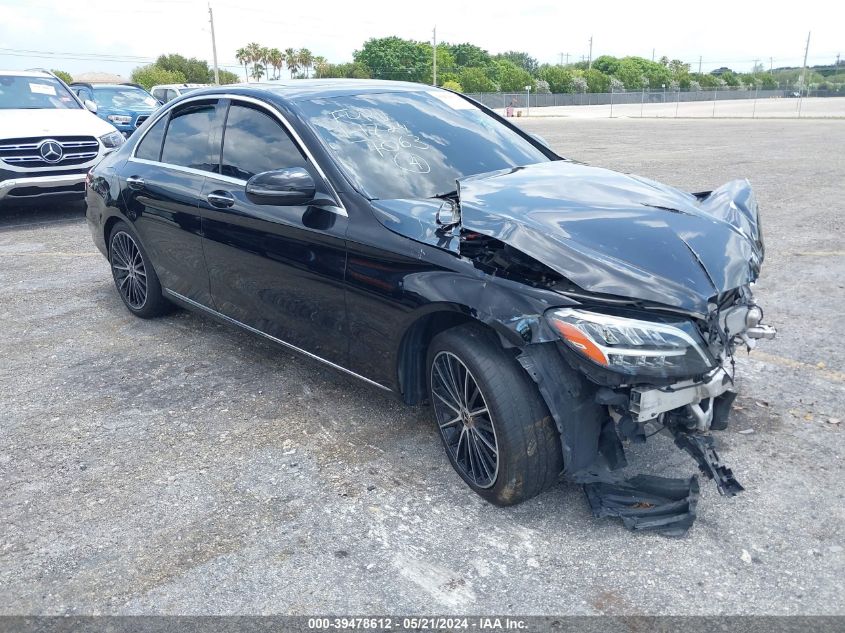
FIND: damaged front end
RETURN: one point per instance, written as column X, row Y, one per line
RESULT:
column 636, row 296
column 662, row 284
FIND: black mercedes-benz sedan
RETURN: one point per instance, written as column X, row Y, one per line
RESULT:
column 411, row 237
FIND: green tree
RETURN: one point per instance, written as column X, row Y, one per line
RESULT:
column 306, row 60
column 768, row 82
column 469, row 55
column 521, row 60
column 153, row 75
column 349, row 71
column 64, row 76
column 194, row 70
column 275, row 60
column 226, row 77
column 512, row 78
column 257, row 71
column 596, row 80
column 607, row 64
column 474, row 79
column 292, row 61
column 452, row 85
column 320, row 65
column 243, row 57
column 559, row 78
column 395, row 58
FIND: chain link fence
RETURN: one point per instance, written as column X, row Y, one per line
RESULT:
column 521, row 99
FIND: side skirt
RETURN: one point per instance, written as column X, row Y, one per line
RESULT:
column 191, row 304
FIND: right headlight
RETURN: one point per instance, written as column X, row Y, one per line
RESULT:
column 113, row 139
column 633, row 346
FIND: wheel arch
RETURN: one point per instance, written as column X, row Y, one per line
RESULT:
column 411, row 371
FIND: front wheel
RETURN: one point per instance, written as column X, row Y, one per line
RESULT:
column 134, row 276
column 495, row 427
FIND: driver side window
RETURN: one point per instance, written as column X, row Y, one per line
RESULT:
column 255, row 142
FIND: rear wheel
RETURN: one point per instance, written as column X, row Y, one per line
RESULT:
column 494, row 425
column 134, row 277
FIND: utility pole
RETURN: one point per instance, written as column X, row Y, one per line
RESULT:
column 803, row 74
column 567, row 59
column 213, row 46
column 590, row 63
column 434, row 56
column 699, row 63
column 771, row 64
column 652, row 54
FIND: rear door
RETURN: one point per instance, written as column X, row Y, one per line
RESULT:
column 162, row 184
column 279, row 269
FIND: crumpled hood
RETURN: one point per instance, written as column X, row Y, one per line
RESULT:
column 618, row 234
column 51, row 122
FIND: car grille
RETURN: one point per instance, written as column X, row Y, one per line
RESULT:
column 24, row 152
column 140, row 120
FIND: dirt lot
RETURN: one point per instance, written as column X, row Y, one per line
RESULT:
column 180, row 466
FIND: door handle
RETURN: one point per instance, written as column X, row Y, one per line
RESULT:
column 220, row 199
column 135, row 182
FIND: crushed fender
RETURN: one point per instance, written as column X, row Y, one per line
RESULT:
column 646, row 503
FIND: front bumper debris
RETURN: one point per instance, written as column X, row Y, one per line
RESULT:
column 702, row 450
column 646, row 503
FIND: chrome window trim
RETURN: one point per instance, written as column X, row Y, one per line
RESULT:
column 339, row 210
column 270, row 337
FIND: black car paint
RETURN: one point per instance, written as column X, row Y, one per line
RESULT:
column 364, row 284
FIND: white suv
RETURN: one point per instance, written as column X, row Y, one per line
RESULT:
column 48, row 138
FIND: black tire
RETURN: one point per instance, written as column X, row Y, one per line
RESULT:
column 529, row 457
column 137, row 277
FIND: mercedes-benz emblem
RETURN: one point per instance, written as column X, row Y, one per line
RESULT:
column 50, row 151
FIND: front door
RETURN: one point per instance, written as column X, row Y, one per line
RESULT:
column 278, row 269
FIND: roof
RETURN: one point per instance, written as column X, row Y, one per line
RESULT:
column 26, row 73
column 296, row 89
column 99, row 78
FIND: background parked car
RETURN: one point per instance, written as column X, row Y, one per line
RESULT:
column 126, row 106
column 168, row 92
column 48, row 138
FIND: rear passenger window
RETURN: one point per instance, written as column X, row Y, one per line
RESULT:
column 187, row 140
column 150, row 146
column 254, row 142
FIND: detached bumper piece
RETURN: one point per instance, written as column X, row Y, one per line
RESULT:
column 646, row 503
column 702, row 451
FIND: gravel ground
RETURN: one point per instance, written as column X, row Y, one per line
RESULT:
column 179, row 466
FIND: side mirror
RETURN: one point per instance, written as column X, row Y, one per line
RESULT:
column 282, row 187
column 90, row 105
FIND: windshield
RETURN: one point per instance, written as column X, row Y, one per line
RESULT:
column 34, row 93
column 414, row 144
column 123, row 98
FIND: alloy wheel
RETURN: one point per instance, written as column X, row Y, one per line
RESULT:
column 464, row 420
column 129, row 271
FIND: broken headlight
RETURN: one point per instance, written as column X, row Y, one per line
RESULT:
column 633, row 346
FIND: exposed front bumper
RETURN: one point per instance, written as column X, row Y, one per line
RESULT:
column 649, row 402
column 42, row 186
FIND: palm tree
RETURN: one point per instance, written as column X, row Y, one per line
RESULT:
column 306, row 60
column 254, row 50
column 320, row 65
column 292, row 61
column 257, row 71
column 264, row 58
column 242, row 55
column 276, row 59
